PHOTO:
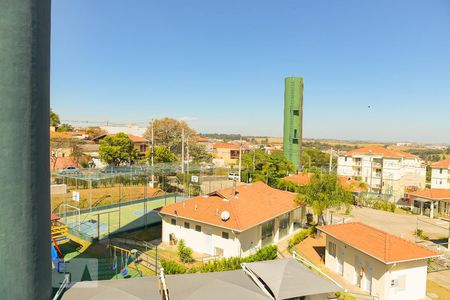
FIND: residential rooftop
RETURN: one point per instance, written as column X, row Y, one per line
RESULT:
column 376, row 243
column 252, row 205
column 432, row 194
column 381, row 151
column 444, row 164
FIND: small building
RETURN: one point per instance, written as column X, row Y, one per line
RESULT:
column 228, row 153
column 233, row 222
column 440, row 174
column 380, row 263
column 140, row 144
column 431, row 202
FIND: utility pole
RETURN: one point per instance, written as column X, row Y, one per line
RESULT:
column 331, row 161
column 240, row 159
column 153, row 152
column 187, row 154
column 182, row 150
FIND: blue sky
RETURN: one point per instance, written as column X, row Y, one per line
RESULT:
column 221, row 65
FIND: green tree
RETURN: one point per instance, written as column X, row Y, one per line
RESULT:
column 161, row 155
column 117, row 150
column 65, row 128
column 54, row 119
column 198, row 153
column 324, row 192
column 95, row 131
column 277, row 166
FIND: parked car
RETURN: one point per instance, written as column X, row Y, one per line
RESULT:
column 233, row 176
column 69, row 170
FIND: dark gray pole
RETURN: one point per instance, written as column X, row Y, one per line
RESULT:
column 24, row 149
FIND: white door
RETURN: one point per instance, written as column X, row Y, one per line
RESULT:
column 207, row 242
column 358, row 271
column 341, row 256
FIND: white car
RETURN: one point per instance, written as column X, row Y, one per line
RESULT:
column 233, row 176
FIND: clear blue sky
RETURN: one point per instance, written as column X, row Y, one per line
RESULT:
column 221, row 64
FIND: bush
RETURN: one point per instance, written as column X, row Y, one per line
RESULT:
column 299, row 237
column 309, row 218
column 171, row 267
column 421, row 235
column 266, row 253
column 184, row 252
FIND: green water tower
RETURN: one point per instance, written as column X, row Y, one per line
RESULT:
column 293, row 120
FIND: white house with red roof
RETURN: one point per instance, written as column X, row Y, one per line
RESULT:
column 384, row 265
column 440, row 174
column 386, row 171
column 234, row 221
column 431, row 202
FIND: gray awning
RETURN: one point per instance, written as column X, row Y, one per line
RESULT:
column 287, row 278
column 121, row 289
column 218, row 286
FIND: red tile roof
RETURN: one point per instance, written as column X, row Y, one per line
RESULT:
column 62, row 162
column 445, row 164
column 378, row 150
column 379, row 244
column 435, row 194
column 353, row 185
column 60, row 135
column 300, row 178
column 200, row 139
column 137, row 139
column 254, row 204
column 226, row 146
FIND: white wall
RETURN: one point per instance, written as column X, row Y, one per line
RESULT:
column 410, row 279
column 440, row 180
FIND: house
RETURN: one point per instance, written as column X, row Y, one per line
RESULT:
column 431, row 202
column 233, row 222
column 140, row 144
column 227, row 153
column 385, row 171
column 299, row 178
column 440, row 174
column 380, row 263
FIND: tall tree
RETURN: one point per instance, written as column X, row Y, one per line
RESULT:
column 324, row 192
column 167, row 132
column 54, row 119
column 117, row 149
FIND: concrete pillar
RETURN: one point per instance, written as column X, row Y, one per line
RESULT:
column 24, row 149
column 421, row 208
column 432, row 209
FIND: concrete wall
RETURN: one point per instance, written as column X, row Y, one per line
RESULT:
column 409, row 277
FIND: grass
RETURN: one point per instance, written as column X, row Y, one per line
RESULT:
column 440, row 291
column 104, row 195
column 147, row 234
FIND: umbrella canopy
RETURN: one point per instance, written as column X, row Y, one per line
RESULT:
column 218, row 286
column 123, row 289
column 287, row 278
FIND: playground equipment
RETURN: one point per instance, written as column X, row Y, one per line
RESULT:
column 124, row 255
column 58, row 231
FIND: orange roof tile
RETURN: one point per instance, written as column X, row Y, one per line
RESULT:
column 432, row 194
column 254, row 204
column 379, row 244
column 60, row 135
column 352, row 185
column 201, row 139
column 300, row 178
column 378, row 150
column 62, row 162
column 226, row 145
column 137, row 139
column 442, row 164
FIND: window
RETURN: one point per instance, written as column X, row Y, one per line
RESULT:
column 267, row 232
column 332, row 249
column 143, row 148
column 173, row 221
column 198, row 228
column 295, row 133
column 346, row 158
column 225, row 235
column 440, row 171
column 234, row 154
column 187, row 225
column 284, row 225
column 295, row 112
column 218, row 251
column 295, row 141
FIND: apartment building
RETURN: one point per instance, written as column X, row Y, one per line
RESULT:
column 385, row 171
column 440, row 174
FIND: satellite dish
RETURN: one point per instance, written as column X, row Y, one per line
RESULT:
column 225, row 215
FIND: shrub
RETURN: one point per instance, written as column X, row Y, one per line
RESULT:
column 184, row 252
column 299, row 237
column 309, row 218
column 266, row 253
column 171, row 267
column 421, row 235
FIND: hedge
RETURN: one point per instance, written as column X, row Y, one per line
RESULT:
column 299, row 237
column 223, row 264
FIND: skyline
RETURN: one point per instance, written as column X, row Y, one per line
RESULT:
column 190, row 61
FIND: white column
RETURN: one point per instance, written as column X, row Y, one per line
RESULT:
column 432, row 209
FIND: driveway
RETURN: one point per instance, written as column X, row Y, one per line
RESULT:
column 401, row 225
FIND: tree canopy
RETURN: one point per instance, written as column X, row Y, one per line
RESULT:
column 54, row 119
column 65, row 128
column 117, row 150
column 324, row 192
column 260, row 166
column 161, row 155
